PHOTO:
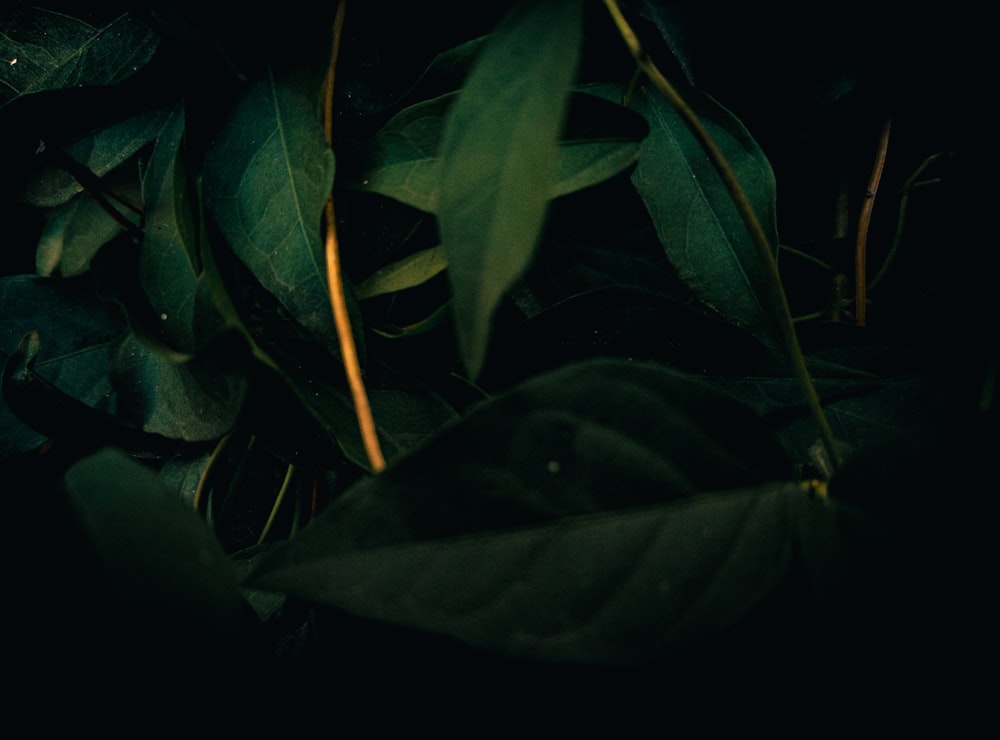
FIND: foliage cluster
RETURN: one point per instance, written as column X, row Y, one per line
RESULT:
column 592, row 447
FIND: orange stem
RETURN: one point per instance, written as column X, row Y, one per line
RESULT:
column 338, row 302
column 864, row 222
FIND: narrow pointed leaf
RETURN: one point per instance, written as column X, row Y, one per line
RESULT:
column 408, row 272
column 499, row 160
column 47, row 50
column 169, row 263
column 700, row 228
column 267, row 178
column 401, row 161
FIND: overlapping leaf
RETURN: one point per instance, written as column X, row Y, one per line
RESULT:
column 499, row 160
column 159, row 558
column 99, row 152
column 700, row 228
column 170, row 264
column 75, row 328
column 569, row 501
column 45, row 49
column 402, row 159
column 267, row 177
column 195, row 400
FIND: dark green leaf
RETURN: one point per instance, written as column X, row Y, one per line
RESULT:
column 864, row 409
column 508, row 515
column 267, row 178
column 698, row 224
column 75, row 328
column 99, row 152
column 402, row 160
column 597, row 435
column 194, row 400
column 624, row 588
column 170, row 264
column 499, row 160
column 160, row 558
column 73, row 234
column 48, row 50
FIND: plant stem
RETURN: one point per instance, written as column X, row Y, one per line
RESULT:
column 743, row 205
column 338, row 302
column 864, row 222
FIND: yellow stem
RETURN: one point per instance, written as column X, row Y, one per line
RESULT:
column 338, row 302
column 746, row 211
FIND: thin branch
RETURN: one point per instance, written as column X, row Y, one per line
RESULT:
column 864, row 222
column 338, row 302
column 743, row 205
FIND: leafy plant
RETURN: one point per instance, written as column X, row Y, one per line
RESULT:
column 496, row 339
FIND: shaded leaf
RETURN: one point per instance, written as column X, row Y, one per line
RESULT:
column 593, row 436
column 99, row 152
column 195, row 400
column 49, row 50
column 170, row 263
column 700, row 228
column 73, row 234
column 526, row 479
column 267, row 178
column 402, row 162
column 76, row 330
column 160, row 558
column 624, row 588
column 864, row 409
column 499, row 160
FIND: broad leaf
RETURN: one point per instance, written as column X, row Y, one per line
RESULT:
column 195, row 400
column 700, row 228
column 99, row 153
column 76, row 329
column 49, row 50
column 499, row 160
column 402, row 162
column 73, row 234
column 542, row 518
column 267, row 178
column 623, row 588
column 159, row 557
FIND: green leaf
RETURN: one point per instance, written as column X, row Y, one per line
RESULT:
column 267, row 178
column 195, row 400
column 698, row 225
column 560, row 521
column 603, row 459
column 864, row 409
column 76, row 329
column 159, row 557
column 73, row 234
column 408, row 272
column 99, row 152
column 499, row 160
column 624, row 588
column 48, row 50
column 170, row 262
column 401, row 161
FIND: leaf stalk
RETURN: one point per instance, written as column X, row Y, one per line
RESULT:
column 746, row 211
